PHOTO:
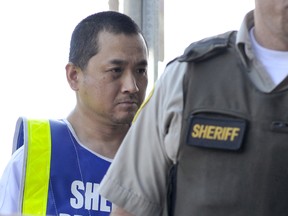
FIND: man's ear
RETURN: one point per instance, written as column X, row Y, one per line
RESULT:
column 72, row 75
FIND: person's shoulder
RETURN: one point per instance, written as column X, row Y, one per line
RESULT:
column 208, row 47
column 9, row 185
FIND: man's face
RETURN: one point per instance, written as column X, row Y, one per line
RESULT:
column 113, row 85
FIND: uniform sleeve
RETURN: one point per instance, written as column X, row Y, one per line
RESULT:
column 10, row 184
column 137, row 178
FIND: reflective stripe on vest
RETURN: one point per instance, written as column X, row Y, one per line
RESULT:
column 37, row 168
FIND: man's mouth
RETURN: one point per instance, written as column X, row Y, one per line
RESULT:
column 129, row 104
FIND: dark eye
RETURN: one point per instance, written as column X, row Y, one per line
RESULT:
column 142, row 70
column 117, row 70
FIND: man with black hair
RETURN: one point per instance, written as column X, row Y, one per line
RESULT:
column 57, row 165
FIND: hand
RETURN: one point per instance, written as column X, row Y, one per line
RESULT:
column 117, row 211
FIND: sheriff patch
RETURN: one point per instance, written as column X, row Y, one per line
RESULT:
column 220, row 133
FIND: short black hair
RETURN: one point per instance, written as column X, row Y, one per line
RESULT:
column 84, row 40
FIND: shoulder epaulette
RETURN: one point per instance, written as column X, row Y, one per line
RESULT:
column 208, row 47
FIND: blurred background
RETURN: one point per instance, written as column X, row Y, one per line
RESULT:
column 35, row 37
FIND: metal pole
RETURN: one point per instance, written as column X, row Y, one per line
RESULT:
column 149, row 14
column 113, row 5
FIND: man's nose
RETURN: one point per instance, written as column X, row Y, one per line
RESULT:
column 130, row 83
